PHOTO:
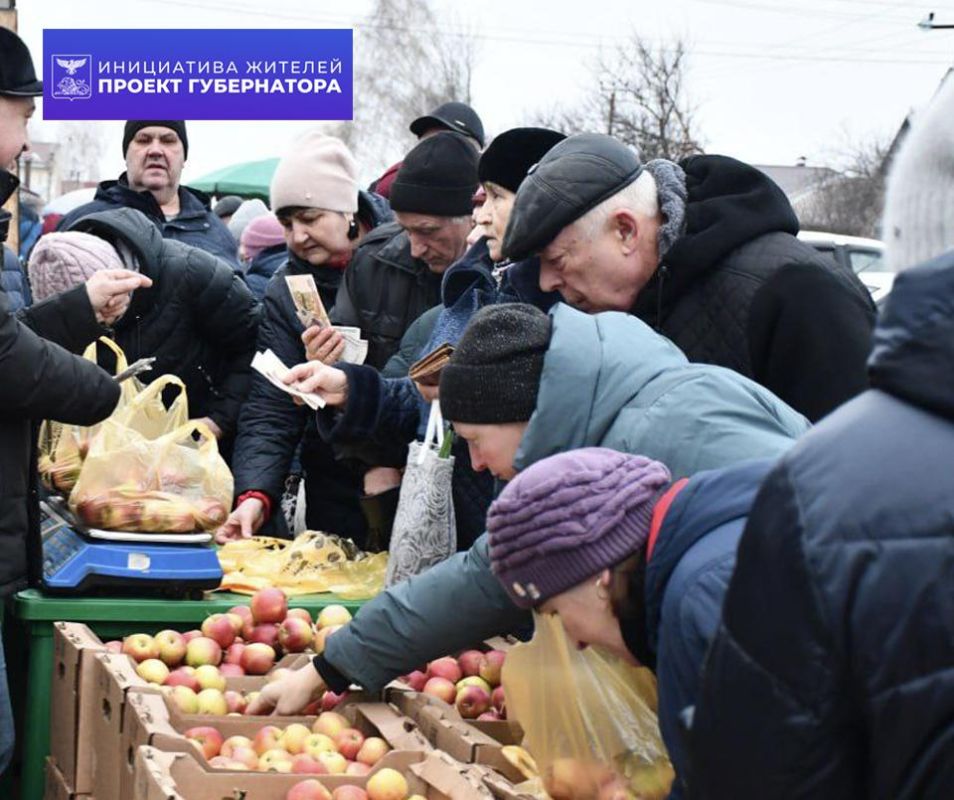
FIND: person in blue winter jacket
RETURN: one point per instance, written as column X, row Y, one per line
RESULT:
column 630, row 561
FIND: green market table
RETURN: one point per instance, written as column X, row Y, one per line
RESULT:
column 28, row 627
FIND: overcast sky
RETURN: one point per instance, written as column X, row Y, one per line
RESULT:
column 773, row 79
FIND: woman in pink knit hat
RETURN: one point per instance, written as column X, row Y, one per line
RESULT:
column 262, row 250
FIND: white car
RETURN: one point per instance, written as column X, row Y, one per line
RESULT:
column 864, row 257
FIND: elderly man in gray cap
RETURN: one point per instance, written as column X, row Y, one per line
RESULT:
column 704, row 251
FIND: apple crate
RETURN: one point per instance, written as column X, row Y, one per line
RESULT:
column 178, row 776
column 56, row 787
column 31, row 621
column 151, row 721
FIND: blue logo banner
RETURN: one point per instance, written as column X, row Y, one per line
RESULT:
column 95, row 74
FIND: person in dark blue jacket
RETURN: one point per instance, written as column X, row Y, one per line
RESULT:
column 263, row 251
column 155, row 152
column 13, row 281
column 629, row 561
column 832, row 672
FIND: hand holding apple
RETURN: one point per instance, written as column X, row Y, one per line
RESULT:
column 289, row 695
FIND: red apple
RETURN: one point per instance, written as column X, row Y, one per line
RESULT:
column 235, row 702
column 491, row 665
column 230, row 745
column 203, row 650
column 295, row 635
column 266, row 739
column 357, row 769
column 308, row 790
column 257, row 659
column 499, row 701
column 306, row 765
column 349, row 741
column 237, row 621
column 446, row 667
column 140, row 647
column 241, row 611
column 330, row 700
column 472, row 701
column 153, row 671
column 247, row 756
column 372, row 751
column 269, row 605
column 234, row 654
column 387, row 784
column 232, row 671
column 219, row 628
column 469, row 662
column 266, row 633
column 172, row 647
column 115, row 646
column 350, row 792
column 489, row 716
column 416, row 680
column 206, row 738
column 312, row 709
column 190, row 635
column 186, row 700
column 183, row 676
column 442, row 689
column 301, row 613
column 209, row 677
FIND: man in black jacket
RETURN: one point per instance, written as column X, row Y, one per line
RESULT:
column 396, row 273
column 38, row 377
column 832, row 673
column 704, row 251
column 155, row 152
column 199, row 319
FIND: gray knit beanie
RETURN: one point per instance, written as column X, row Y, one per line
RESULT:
column 569, row 517
column 493, row 377
column 919, row 201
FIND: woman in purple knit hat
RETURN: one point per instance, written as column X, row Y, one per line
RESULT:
column 630, row 562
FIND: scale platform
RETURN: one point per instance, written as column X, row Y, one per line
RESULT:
column 79, row 560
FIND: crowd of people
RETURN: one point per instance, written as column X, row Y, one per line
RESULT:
column 677, row 427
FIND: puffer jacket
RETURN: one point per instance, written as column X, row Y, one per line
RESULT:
column 13, row 281
column 263, row 266
column 272, row 426
column 738, row 289
column 384, row 290
column 195, row 224
column 832, row 673
column 41, row 380
column 608, row 380
column 198, row 318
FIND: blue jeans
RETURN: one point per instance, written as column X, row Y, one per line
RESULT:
column 6, row 716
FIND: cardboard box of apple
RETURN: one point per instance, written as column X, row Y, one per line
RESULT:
column 407, row 776
column 195, row 669
column 470, row 683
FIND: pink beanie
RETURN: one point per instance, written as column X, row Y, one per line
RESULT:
column 262, row 232
column 60, row 261
column 318, row 172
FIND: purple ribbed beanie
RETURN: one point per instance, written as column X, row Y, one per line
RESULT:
column 568, row 517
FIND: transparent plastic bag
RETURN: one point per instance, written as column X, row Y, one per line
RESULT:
column 62, row 447
column 172, row 484
column 589, row 719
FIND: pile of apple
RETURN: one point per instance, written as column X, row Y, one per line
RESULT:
column 246, row 640
column 329, row 747
column 470, row 682
column 386, row 784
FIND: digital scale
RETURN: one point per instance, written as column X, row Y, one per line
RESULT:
column 82, row 560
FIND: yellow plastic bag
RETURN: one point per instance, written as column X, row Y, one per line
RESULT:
column 62, row 447
column 170, row 484
column 314, row 562
column 589, row 719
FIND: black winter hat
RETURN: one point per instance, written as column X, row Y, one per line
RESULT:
column 574, row 176
column 493, row 377
column 17, row 75
column 452, row 116
column 133, row 126
column 439, row 176
column 508, row 158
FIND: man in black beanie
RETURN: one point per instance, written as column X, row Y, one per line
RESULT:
column 395, row 276
column 155, row 152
